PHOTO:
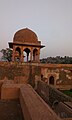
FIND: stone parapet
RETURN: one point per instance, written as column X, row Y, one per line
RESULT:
column 63, row 110
column 33, row 107
column 50, row 94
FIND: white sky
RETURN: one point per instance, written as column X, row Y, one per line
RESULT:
column 51, row 20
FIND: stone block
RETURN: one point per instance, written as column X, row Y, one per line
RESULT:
column 10, row 91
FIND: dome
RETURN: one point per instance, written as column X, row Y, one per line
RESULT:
column 25, row 36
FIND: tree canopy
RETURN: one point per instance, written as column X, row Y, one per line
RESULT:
column 57, row 60
column 7, row 54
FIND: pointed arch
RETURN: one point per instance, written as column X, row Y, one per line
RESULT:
column 27, row 54
column 17, row 54
column 51, row 80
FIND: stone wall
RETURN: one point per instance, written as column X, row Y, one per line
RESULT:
column 19, row 72
column 50, row 94
column 63, row 110
column 62, row 74
column 43, row 90
column 32, row 72
column 1, row 83
column 56, row 95
column 10, row 90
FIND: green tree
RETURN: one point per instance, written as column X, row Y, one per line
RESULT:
column 7, row 54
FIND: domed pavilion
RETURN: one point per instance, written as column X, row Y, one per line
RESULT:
column 25, row 46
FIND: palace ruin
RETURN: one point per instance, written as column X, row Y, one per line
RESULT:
column 24, row 80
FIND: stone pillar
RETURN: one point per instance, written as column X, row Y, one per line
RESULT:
column 33, row 57
column 31, row 54
column 27, row 56
column 38, row 56
column 22, row 58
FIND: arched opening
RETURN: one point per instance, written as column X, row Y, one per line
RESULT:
column 51, row 80
column 17, row 54
column 27, row 54
column 55, row 104
column 41, row 76
column 35, row 55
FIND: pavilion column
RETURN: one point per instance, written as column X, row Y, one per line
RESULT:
column 22, row 58
column 27, row 56
column 38, row 56
column 31, row 54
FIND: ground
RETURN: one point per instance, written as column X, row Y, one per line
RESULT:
column 10, row 110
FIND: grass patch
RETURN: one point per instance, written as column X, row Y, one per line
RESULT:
column 68, row 92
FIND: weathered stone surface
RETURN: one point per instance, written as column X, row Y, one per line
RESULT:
column 63, row 110
column 10, row 91
column 25, row 36
column 10, row 110
column 33, row 107
column 27, row 72
column 50, row 94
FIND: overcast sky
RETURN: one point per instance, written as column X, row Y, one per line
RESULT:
column 51, row 20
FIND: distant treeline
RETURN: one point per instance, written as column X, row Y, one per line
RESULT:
column 57, row 60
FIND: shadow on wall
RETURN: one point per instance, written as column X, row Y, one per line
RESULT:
column 34, row 75
column 31, row 78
